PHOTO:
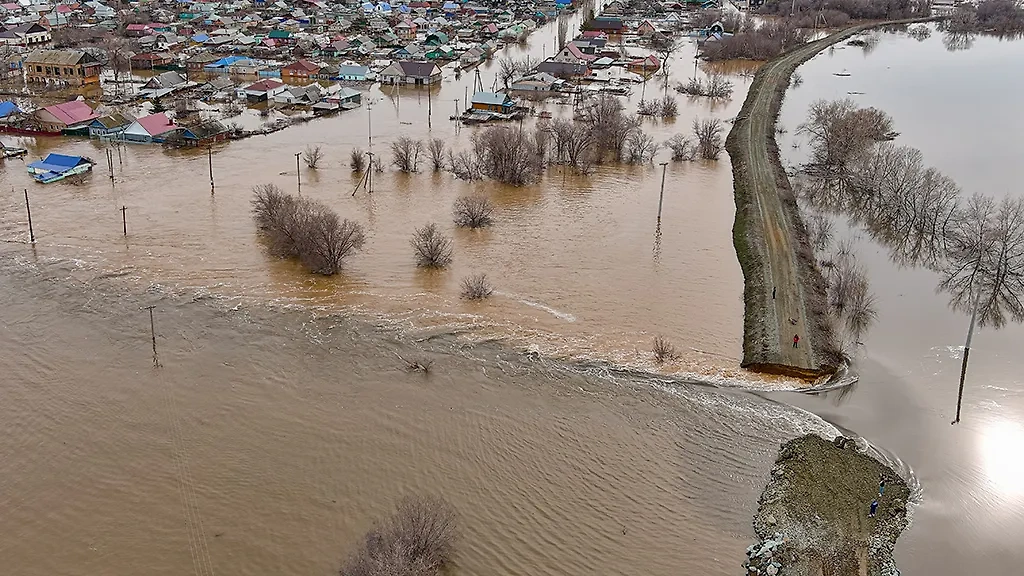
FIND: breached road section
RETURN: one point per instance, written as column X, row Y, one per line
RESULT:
column 813, row 518
column 784, row 292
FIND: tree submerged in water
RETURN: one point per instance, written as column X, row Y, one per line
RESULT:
column 418, row 539
column 976, row 244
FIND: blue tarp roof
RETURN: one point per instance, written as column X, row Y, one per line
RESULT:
column 59, row 161
column 7, row 108
column 200, row 38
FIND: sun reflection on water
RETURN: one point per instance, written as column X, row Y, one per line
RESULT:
column 1002, row 452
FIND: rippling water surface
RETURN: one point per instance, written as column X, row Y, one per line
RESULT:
column 282, row 421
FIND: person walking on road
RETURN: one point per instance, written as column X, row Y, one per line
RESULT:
column 881, row 486
column 874, row 508
column 796, row 340
column 773, row 292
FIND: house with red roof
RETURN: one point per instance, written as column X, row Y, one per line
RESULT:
column 138, row 30
column 648, row 65
column 150, row 129
column 300, row 69
column 264, row 89
column 67, row 116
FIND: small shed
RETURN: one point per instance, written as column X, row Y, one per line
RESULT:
column 493, row 102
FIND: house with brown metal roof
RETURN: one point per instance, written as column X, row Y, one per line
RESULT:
column 409, row 72
column 300, row 69
column 68, row 67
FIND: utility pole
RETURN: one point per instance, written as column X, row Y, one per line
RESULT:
column 124, row 220
column 210, row 155
column 369, row 125
column 369, row 174
column 429, row 109
column 152, row 335
column 661, row 196
column 967, row 352
column 298, row 174
column 28, row 209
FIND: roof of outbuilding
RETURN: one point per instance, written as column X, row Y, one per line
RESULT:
column 490, row 98
column 60, row 57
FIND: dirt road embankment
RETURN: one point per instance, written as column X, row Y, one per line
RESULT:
column 784, row 292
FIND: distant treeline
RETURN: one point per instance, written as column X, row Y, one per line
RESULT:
column 1003, row 17
column 839, row 12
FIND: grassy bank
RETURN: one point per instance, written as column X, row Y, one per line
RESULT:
column 816, row 508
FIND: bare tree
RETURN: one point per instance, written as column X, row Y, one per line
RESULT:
column 508, row 69
column 708, row 133
column 431, row 247
column 819, row 229
column 436, row 147
column 476, row 287
column 573, row 144
column 473, row 211
column 507, row 155
column 985, row 270
column 985, row 273
column 417, row 540
column 609, row 126
column 327, row 240
column 663, row 350
column 357, row 160
column 649, row 108
column 405, row 154
column 716, row 86
column 278, row 217
column 312, row 156
column 640, row 148
column 839, row 131
column 464, row 166
column 305, row 229
column 669, row 107
column 681, row 147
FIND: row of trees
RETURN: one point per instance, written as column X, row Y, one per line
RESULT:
column 851, row 9
column 1003, row 17
column 975, row 243
column 756, row 41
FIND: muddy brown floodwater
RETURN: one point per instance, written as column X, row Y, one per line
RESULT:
column 282, row 422
column 580, row 268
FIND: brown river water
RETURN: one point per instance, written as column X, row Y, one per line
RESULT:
column 282, row 422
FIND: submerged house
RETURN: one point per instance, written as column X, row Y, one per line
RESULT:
column 109, row 126
column 58, row 167
column 154, row 128
column 72, row 116
column 493, row 102
column 408, row 72
column 352, row 73
column 264, row 90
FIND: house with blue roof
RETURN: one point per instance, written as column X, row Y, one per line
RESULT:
column 352, row 73
column 58, row 167
column 7, row 108
column 493, row 102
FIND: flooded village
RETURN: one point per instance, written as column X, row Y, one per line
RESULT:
column 585, row 287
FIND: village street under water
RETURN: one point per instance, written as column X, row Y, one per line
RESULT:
column 277, row 430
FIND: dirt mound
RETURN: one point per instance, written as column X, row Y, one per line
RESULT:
column 813, row 516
